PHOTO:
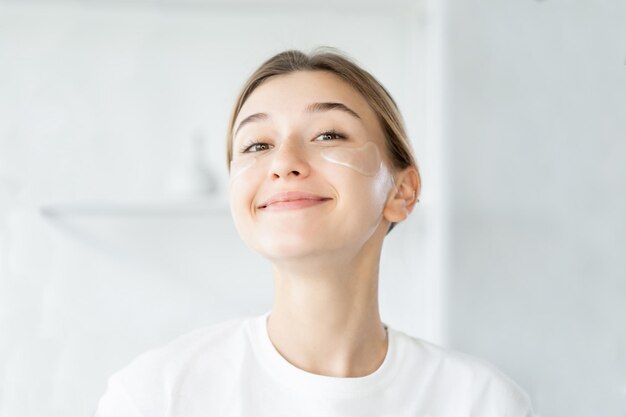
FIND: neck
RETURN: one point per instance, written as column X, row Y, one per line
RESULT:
column 327, row 322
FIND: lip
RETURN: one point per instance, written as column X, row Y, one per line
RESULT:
column 292, row 199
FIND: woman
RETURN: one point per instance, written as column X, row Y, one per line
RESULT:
column 320, row 171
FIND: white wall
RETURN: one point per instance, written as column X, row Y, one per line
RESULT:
column 98, row 102
column 534, row 113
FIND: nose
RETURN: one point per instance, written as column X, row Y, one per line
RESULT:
column 289, row 160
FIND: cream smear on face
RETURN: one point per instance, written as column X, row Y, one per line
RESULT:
column 365, row 160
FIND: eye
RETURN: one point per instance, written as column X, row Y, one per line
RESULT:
column 330, row 135
column 255, row 147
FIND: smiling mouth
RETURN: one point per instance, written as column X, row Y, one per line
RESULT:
column 294, row 204
column 297, row 197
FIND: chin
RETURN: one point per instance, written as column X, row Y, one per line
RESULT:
column 288, row 247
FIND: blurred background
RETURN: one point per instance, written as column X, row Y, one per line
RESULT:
column 115, row 233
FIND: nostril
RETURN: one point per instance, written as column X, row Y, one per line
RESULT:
column 295, row 173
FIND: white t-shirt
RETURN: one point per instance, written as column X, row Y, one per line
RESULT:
column 232, row 369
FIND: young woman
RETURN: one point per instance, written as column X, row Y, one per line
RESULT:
column 321, row 170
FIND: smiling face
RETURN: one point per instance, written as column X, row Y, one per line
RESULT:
column 310, row 172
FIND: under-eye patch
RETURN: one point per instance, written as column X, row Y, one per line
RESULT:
column 239, row 166
column 364, row 159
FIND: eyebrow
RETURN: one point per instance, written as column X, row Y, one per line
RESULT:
column 311, row 108
column 321, row 107
column 252, row 118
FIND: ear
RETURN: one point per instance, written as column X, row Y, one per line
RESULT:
column 404, row 196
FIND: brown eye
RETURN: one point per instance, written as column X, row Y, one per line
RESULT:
column 256, row 147
column 330, row 135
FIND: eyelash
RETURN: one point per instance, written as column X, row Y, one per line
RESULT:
column 338, row 136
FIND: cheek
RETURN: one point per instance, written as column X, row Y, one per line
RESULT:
column 241, row 166
column 362, row 197
column 370, row 179
column 242, row 189
column 365, row 160
column 372, row 192
column 367, row 167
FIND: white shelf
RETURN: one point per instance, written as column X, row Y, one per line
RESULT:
column 138, row 208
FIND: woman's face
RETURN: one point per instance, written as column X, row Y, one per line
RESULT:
column 282, row 148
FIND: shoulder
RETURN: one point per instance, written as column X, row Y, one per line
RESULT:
column 170, row 356
column 143, row 383
column 476, row 382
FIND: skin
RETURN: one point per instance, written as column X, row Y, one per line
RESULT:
column 325, row 317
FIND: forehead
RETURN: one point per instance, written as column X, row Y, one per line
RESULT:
column 288, row 95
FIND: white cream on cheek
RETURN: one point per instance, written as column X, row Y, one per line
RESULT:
column 239, row 166
column 364, row 159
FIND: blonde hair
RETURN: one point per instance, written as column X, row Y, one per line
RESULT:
column 331, row 60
